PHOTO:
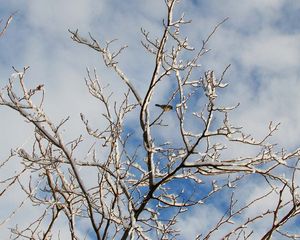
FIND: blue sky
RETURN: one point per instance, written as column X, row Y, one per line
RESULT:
column 261, row 40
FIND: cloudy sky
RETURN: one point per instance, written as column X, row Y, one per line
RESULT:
column 261, row 41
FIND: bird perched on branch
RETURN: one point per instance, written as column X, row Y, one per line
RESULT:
column 164, row 107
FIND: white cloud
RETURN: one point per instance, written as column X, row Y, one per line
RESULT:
column 201, row 220
column 264, row 76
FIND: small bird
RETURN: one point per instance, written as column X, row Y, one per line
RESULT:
column 164, row 107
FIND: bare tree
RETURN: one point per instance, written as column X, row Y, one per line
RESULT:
column 139, row 184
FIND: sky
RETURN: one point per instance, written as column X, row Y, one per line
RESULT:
column 261, row 41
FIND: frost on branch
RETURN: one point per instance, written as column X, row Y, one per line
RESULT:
column 135, row 181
